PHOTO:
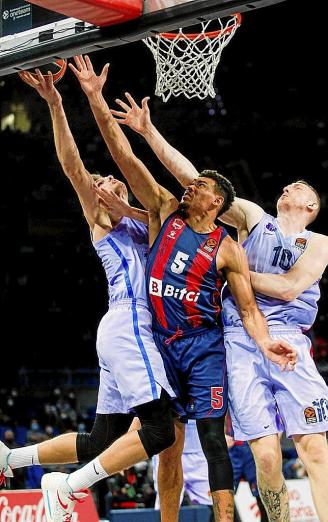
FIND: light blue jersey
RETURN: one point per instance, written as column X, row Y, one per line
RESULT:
column 123, row 253
column 268, row 251
column 132, row 371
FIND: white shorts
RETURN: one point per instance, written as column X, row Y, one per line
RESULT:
column 261, row 396
column 131, row 367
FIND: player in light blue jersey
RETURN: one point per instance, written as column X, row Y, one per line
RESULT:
column 286, row 261
column 132, row 375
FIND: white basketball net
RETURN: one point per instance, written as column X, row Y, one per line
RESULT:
column 185, row 63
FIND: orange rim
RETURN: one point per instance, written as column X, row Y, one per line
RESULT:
column 210, row 34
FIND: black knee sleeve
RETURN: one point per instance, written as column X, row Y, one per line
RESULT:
column 212, row 439
column 157, row 427
column 106, row 429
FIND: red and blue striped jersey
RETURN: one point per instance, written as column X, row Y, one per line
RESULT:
column 184, row 285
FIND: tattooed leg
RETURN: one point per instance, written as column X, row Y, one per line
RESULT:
column 223, row 505
column 276, row 502
column 270, row 480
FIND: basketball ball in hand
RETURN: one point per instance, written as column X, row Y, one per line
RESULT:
column 57, row 68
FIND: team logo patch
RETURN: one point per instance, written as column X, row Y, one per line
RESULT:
column 210, row 245
column 271, row 227
column 178, row 224
column 300, row 243
column 310, row 415
column 171, row 234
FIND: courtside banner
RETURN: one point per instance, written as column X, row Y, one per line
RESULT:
column 300, row 500
column 27, row 506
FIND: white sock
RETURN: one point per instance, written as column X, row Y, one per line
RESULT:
column 86, row 476
column 22, row 457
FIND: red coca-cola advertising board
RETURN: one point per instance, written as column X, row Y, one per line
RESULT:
column 27, row 506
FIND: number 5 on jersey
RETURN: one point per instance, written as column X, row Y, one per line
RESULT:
column 216, row 397
column 178, row 264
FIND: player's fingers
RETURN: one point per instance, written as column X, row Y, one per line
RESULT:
column 74, row 70
column 49, row 79
column 282, row 367
column 40, row 77
column 77, row 60
column 104, row 72
column 28, row 78
column 88, row 63
column 102, row 193
column 131, row 100
column 286, row 346
column 82, row 62
column 120, row 114
column 121, row 122
column 123, row 105
column 144, row 102
column 96, row 188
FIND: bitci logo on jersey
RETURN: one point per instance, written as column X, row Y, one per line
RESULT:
column 156, row 288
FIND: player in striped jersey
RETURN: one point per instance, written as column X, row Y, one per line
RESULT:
column 286, row 262
column 193, row 349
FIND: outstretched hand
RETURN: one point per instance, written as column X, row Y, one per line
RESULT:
column 89, row 81
column 111, row 202
column 44, row 85
column 281, row 353
column 137, row 118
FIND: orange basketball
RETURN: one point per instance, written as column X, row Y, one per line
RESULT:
column 57, row 68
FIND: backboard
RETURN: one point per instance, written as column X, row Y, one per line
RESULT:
column 66, row 37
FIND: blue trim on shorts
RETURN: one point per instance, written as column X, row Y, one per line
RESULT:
column 135, row 316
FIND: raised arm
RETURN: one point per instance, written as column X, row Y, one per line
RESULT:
column 243, row 215
column 150, row 194
column 138, row 119
column 307, row 270
column 233, row 260
column 66, row 148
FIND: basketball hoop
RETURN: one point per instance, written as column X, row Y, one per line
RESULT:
column 186, row 62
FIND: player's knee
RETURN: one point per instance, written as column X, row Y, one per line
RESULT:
column 212, row 438
column 157, row 437
column 268, row 462
column 313, row 450
column 87, row 448
column 157, row 431
column 106, row 429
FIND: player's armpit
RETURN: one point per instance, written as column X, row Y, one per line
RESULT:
column 304, row 273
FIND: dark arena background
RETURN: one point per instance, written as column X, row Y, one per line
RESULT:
column 266, row 127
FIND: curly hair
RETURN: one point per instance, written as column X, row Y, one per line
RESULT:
column 222, row 186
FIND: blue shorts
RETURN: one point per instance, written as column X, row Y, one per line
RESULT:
column 196, row 369
column 243, row 466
